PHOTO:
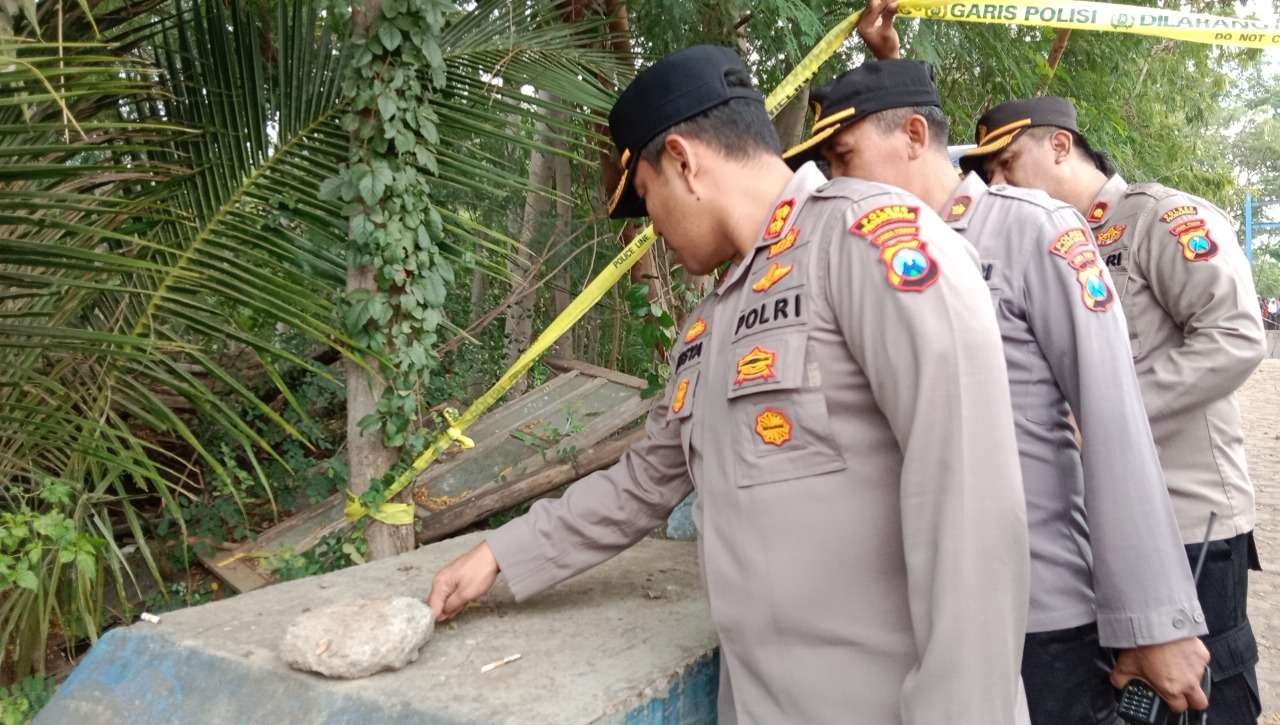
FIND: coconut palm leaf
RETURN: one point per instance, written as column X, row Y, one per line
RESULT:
column 161, row 224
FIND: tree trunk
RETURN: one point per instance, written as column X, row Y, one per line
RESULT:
column 519, row 325
column 790, row 120
column 1055, row 57
column 561, row 295
column 367, row 458
column 645, row 270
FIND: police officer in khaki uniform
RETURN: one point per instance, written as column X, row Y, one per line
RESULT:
column 1195, row 334
column 839, row 403
column 1106, row 560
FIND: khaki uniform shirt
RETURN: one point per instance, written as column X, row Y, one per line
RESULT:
column 1196, row 335
column 842, row 410
column 1104, row 540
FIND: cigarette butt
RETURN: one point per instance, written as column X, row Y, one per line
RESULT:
column 495, row 665
column 149, row 617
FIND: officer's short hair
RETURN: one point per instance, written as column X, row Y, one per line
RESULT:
column 1079, row 145
column 739, row 128
column 892, row 119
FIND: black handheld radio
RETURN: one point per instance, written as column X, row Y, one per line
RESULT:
column 1139, row 702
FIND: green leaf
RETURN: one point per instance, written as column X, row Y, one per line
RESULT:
column 390, row 36
column 27, row 580
column 87, row 563
column 387, row 105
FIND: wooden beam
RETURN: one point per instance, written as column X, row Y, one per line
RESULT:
column 500, row 498
column 595, row 371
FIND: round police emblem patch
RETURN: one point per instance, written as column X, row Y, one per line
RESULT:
column 1198, row 244
column 910, row 264
column 1096, row 288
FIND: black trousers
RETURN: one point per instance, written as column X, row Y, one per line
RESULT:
column 1066, row 686
column 1223, row 589
column 1064, row 681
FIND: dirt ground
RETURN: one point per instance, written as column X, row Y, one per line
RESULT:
column 1260, row 406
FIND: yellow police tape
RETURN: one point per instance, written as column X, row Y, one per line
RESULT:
column 1059, row 14
column 1109, row 17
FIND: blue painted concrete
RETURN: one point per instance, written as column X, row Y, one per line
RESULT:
column 140, row 677
column 691, row 700
column 627, row 642
column 680, row 522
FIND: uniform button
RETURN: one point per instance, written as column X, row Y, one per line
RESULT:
column 1179, row 622
column 1199, row 617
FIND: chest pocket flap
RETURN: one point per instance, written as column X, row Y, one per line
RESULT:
column 781, row 427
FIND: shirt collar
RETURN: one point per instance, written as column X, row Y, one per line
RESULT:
column 786, row 208
column 1100, row 211
column 959, row 208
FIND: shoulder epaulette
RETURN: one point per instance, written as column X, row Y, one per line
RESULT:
column 1035, row 197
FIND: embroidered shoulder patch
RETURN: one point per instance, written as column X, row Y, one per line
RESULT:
column 1068, row 241
column 772, row 276
column 778, row 221
column 696, row 330
column 873, row 221
column 774, row 427
column 1111, row 234
column 908, row 265
column 959, row 207
column 1074, row 247
column 1193, row 235
column 1178, row 212
column 892, row 233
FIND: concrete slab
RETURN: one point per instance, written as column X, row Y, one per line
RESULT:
column 629, row 642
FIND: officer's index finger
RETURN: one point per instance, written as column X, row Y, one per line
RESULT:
column 441, row 587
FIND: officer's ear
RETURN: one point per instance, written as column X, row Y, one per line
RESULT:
column 917, row 130
column 1061, row 142
column 684, row 159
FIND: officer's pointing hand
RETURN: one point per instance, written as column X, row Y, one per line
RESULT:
column 463, row 581
column 876, row 28
column 1174, row 669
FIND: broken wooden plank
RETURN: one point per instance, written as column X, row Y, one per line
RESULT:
column 627, row 410
column 595, row 371
column 498, row 498
column 571, row 412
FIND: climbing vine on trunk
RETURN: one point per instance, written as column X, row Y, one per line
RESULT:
column 396, row 68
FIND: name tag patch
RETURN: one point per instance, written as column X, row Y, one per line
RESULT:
column 781, row 310
column 688, row 355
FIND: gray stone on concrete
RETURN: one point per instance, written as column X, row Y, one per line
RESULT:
column 630, row 641
column 358, row 638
